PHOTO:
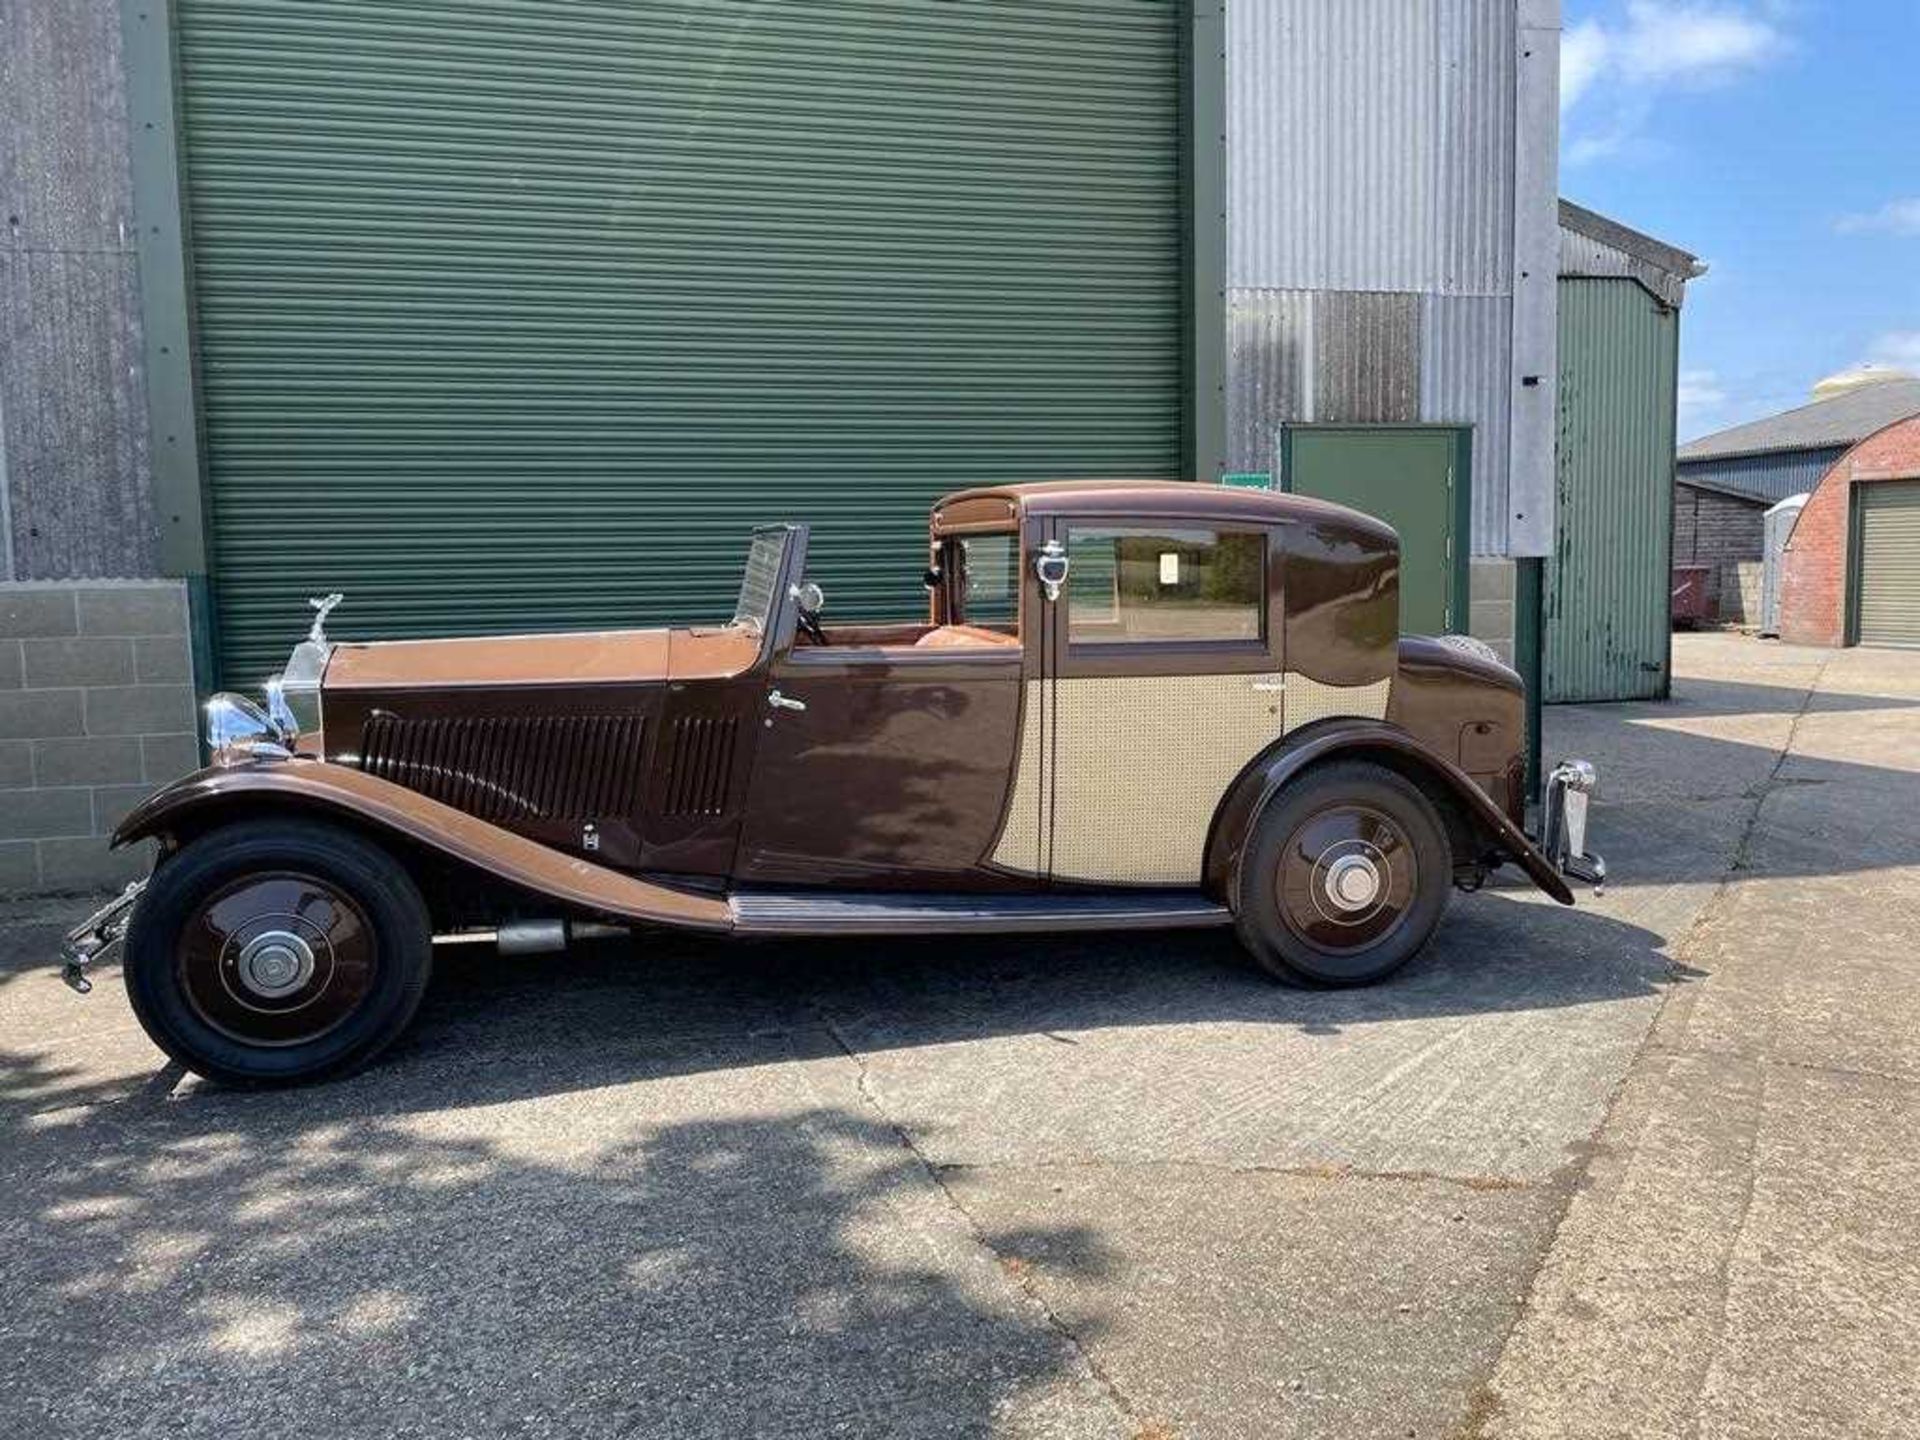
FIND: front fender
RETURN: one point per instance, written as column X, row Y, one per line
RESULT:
column 309, row 786
column 1240, row 811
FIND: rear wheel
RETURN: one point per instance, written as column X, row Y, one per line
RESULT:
column 1344, row 878
column 277, row 951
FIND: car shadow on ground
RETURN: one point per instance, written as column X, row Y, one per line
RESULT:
column 496, row 1028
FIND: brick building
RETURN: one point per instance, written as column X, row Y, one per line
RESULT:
column 1724, row 482
column 1851, row 572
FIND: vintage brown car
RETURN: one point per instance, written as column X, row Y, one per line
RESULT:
column 1132, row 705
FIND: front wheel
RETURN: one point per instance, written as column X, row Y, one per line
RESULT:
column 277, row 951
column 1344, row 878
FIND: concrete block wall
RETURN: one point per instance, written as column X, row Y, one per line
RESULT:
column 96, row 709
column 1741, row 587
column 1490, row 604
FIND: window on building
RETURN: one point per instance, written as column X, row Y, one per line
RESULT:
column 1132, row 585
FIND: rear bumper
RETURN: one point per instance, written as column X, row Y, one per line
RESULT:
column 1563, row 821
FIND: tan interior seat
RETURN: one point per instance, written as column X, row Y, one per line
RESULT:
column 955, row 637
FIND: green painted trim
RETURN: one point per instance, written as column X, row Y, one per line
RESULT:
column 1672, row 399
column 1460, row 610
column 166, row 290
column 200, row 633
column 1204, row 153
column 1459, row 602
column 1850, row 620
column 1529, row 636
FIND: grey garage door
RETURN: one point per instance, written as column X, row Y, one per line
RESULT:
column 1888, row 563
column 518, row 313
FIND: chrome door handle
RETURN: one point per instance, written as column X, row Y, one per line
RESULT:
column 1268, row 685
column 784, row 702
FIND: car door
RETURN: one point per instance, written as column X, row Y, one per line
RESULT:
column 1164, row 676
column 882, row 765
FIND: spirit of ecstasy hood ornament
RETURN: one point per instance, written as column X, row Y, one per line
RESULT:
column 323, row 606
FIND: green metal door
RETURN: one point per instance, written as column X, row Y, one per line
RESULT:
column 1605, row 621
column 1887, row 563
column 1415, row 478
column 517, row 314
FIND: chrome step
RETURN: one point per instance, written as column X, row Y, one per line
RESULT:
column 762, row 912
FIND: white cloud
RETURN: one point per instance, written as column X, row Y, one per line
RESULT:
column 1583, row 55
column 1896, row 350
column 1702, row 399
column 1694, row 44
column 1896, row 217
column 1619, row 67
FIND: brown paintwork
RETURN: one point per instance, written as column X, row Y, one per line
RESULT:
column 897, row 774
column 315, row 786
column 498, row 661
column 1470, row 709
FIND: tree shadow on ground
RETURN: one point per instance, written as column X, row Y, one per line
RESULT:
column 285, row 1264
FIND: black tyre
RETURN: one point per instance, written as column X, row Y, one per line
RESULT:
column 273, row 952
column 1344, row 878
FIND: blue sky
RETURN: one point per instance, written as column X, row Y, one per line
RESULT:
column 1779, row 140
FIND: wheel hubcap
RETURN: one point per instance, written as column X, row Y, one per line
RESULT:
column 277, row 959
column 1353, row 882
column 275, row 964
column 1347, row 878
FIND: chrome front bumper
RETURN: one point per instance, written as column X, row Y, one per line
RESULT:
column 1563, row 822
column 96, row 936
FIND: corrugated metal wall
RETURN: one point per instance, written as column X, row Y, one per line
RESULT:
column 1605, row 610
column 1766, row 477
column 1370, row 142
column 516, row 314
column 1371, row 227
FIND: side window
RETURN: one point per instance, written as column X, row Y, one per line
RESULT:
column 990, row 567
column 1130, row 585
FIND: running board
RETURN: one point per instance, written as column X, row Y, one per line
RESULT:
column 761, row 912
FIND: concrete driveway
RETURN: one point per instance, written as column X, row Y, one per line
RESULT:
column 1644, row 1167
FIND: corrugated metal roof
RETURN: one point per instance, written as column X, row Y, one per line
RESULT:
column 1761, row 478
column 1594, row 246
column 1843, row 420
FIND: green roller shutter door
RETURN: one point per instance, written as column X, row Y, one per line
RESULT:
column 1888, row 564
column 518, row 314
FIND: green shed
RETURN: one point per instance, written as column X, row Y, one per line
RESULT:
column 1605, row 631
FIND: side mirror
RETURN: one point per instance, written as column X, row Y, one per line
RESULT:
column 809, row 597
column 932, row 578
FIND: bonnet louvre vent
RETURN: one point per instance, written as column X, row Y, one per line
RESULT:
column 701, row 765
column 569, row 767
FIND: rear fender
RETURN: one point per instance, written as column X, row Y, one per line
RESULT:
column 1385, row 745
column 303, row 786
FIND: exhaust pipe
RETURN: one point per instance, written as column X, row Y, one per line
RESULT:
column 536, row 937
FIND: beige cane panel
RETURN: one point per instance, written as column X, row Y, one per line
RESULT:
column 1139, row 765
column 1019, row 847
column 1309, row 700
